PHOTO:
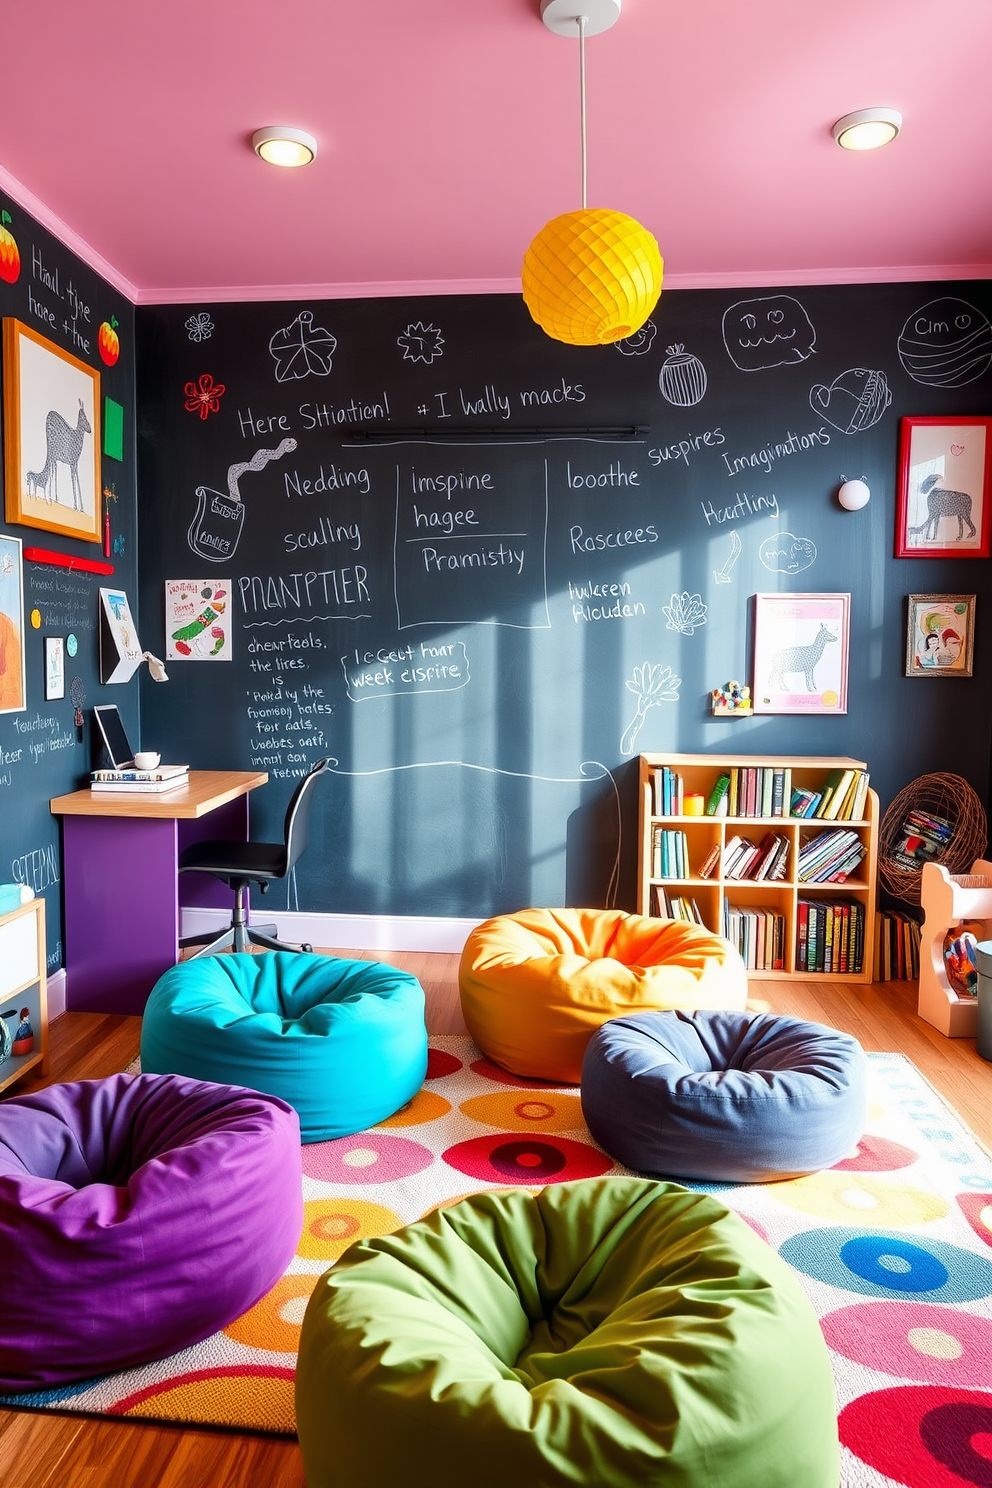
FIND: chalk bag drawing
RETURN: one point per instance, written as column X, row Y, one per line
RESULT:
column 682, row 378
column 945, row 343
column 722, row 575
column 204, row 397
column 200, row 327
column 770, row 331
column 783, row 552
column 301, row 348
column 684, row 612
column 639, row 342
column 421, row 343
column 853, row 401
column 651, row 685
column 216, row 526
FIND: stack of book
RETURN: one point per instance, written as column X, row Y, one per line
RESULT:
column 843, row 797
column 128, row 781
column 669, row 906
column 923, row 838
column 766, row 859
column 669, row 854
column 830, row 936
column 667, row 791
column 830, row 857
column 751, row 790
column 897, row 947
column 758, row 932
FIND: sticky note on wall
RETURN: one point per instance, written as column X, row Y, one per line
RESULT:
column 113, row 429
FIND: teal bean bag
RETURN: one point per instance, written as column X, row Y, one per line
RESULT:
column 613, row 1331
column 343, row 1042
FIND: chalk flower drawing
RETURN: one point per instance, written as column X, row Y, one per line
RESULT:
column 204, row 397
column 653, row 685
column 200, row 327
column 301, row 348
column 639, row 342
column 421, row 343
column 684, row 612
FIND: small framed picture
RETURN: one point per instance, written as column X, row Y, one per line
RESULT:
column 800, row 653
column 54, row 668
column 943, row 498
column 940, row 635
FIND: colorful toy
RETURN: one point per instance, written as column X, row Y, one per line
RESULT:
column 731, row 700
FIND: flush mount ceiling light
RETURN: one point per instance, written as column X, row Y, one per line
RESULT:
column 593, row 276
column 867, row 129
column 281, row 145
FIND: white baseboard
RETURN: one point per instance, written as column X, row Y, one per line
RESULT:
column 350, row 932
column 56, row 994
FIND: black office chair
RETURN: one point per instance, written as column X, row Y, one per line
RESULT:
column 242, row 863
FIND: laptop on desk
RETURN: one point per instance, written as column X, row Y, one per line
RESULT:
column 117, row 745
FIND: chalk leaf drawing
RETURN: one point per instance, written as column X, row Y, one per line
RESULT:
column 770, row 331
column 421, row 343
column 652, row 684
column 639, row 342
column 682, row 378
column 200, row 327
column 945, row 343
column 203, row 397
column 301, row 348
column 722, row 575
column 684, row 612
column 853, row 401
column 783, row 552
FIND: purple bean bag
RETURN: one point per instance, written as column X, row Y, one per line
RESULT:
column 138, row 1215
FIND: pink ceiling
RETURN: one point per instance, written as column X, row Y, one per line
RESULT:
column 448, row 135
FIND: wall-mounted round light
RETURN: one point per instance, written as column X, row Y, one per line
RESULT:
column 854, row 494
column 281, row 145
column 867, row 129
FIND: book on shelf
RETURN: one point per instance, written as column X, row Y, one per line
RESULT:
column 767, row 783
column 710, row 863
column 922, row 839
column 839, row 783
column 803, row 803
column 718, row 796
column 153, row 786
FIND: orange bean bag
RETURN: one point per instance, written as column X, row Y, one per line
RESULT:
column 536, row 985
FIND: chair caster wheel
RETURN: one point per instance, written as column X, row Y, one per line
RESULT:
column 306, row 946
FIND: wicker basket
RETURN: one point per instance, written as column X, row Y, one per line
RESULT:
column 947, row 796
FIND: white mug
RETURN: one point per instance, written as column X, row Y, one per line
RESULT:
column 147, row 760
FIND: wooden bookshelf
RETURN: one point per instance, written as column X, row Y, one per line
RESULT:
column 699, row 773
column 23, row 985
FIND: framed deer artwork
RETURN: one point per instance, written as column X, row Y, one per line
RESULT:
column 943, row 497
column 801, row 646
column 51, row 407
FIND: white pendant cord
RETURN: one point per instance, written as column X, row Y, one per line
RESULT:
column 580, row 21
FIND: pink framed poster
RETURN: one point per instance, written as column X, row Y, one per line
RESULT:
column 800, row 653
column 943, row 500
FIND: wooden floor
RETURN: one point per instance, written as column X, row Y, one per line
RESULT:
column 53, row 1451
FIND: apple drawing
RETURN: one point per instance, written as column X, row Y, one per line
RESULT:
column 108, row 341
column 10, row 258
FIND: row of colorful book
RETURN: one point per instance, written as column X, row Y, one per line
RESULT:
column 758, row 932
column 668, row 791
column 751, row 790
column 669, row 906
column 830, row 857
column 669, row 854
column 843, row 798
column 753, row 861
column 897, row 947
column 830, row 936
column 923, row 838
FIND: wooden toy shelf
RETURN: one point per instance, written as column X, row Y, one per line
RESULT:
column 947, row 899
column 699, row 773
column 23, row 984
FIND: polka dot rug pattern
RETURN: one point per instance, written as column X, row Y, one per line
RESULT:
column 893, row 1247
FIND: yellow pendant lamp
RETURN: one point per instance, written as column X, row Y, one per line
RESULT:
column 593, row 276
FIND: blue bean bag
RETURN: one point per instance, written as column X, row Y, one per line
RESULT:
column 731, row 1097
column 343, row 1042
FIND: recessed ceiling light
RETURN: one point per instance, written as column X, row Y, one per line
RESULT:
column 867, row 129
column 281, row 145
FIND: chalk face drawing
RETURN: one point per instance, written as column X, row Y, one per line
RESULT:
column 682, row 378
column 217, row 522
column 783, row 552
column 722, row 575
column 771, row 331
column 301, row 348
column 651, row 684
column 421, row 343
column 853, row 401
column 684, row 612
column 946, row 343
column 640, row 342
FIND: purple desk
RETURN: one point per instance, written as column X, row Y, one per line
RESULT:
column 121, row 861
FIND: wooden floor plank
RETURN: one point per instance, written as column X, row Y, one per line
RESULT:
column 65, row 1451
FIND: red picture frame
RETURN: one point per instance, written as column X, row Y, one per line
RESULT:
column 944, row 489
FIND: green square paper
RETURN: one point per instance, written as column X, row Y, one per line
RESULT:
column 113, row 429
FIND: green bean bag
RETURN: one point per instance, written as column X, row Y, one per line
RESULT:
column 613, row 1331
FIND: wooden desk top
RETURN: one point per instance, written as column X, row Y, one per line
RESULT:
column 204, row 791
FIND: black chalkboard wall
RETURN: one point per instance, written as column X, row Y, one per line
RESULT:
column 482, row 570
column 42, row 753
